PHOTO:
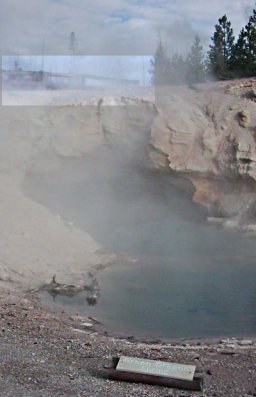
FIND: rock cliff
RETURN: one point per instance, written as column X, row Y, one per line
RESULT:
column 207, row 133
column 35, row 243
column 204, row 133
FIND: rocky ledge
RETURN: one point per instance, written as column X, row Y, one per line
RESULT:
column 207, row 133
column 204, row 133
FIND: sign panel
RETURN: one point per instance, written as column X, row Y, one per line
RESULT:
column 156, row 368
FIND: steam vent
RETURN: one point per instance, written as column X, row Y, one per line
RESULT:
column 127, row 199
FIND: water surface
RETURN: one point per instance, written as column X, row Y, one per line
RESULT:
column 190, row 279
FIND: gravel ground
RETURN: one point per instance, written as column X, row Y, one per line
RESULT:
column 45, row 353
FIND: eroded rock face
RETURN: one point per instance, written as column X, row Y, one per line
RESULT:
column 36, row 243
column 201, row 131
column 208, row 134
column 205, row 133
column 34, row 137
column 75, row 131
column 243, row 119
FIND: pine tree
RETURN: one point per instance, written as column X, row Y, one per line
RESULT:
column 178, row 70
column 243, row 58
column 220, row 54
column 196, row 73
column 250, row 46
column 161, row 66
column 239, row 56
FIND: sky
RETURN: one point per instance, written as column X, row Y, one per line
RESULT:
column 112, row 27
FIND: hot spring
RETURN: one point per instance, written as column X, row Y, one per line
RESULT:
column 188, row 278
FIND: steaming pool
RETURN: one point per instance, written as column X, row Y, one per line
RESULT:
column 189, row 279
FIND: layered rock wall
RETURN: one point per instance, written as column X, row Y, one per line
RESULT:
column 35, row 243
column 205, row 133
column 208, row 134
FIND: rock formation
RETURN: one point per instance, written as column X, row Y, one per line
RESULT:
column 207, row 133
column 35, row 243
column 204, row 133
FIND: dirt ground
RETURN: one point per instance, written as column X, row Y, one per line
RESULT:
column 45, row 353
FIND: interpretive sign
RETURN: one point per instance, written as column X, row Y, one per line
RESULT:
column 161, row 373
column 156, row 368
